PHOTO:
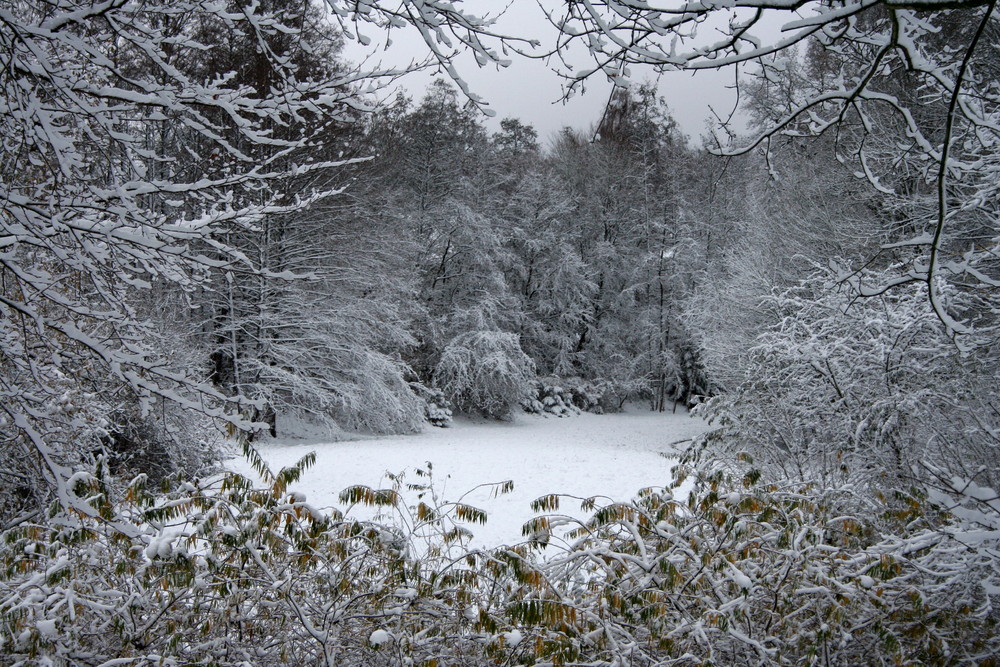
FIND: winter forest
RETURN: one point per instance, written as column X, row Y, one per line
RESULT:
column 217, row 230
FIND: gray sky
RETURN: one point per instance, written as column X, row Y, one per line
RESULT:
column 531, row 91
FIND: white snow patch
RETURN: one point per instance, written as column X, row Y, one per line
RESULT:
column 512, row 638
column 740, row 579
column 378, row 637
column 47, row 628
column 160, row 547
column 611, row 456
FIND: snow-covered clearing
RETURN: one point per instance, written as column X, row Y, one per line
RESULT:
column 583, row 455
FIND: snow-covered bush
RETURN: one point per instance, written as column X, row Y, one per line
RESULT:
column 81, row 417
column 550, row 399
column 740, row 571
column 358, row 389
column 744, row 572
column 232, row 574
column 159, row 446
column 847, row 387
column 437, row 408
column 564, row 396
column 485, row 372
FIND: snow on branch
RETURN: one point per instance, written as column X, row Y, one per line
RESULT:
column 131, row 154
column 897, row 87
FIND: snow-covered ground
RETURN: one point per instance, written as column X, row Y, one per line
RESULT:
column 583, row 455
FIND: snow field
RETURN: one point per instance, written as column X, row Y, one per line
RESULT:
column 583, row 455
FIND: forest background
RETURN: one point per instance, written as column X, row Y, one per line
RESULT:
column 210, row 229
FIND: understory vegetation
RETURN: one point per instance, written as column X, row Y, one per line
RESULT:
column 740, row 571
column 215, row 229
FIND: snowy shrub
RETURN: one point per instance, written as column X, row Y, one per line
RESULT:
column 550, row 399
column 356, row 389
column 485, row 372
column 159, row 445
column 617, row 391
column 859, row 388
column 695, row 383
column 86, row 417
column 229, row 574
column 743, row 572
column 740, row 572
column 376, row 398
column 437, row 409
column 564, row 396
column 437, row 412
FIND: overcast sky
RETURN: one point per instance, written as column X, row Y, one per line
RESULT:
column 531, row 91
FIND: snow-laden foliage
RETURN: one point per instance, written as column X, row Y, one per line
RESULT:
column 740, row 571
column 485, row 372
column 761, row 235
column 907, row 93
column 232, row 574
column 97, row 208
column 622, row 263
column 437, row 407
column 847, row 388
column 355, row 389
column 163, row 263
column 747, row 572
column 154, row 156
column 574, row 251
column 563, row 397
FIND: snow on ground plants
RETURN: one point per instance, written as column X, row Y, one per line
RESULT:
column 584, row 455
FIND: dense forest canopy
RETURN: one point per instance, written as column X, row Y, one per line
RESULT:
column 212, row 232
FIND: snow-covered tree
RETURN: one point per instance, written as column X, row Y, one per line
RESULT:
column 94, row 212
column 433, row 179
column 842, row 388
column 754, row 235
column 626, row 225
column 485, row 372
column 128, row 169
column 902, row 89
